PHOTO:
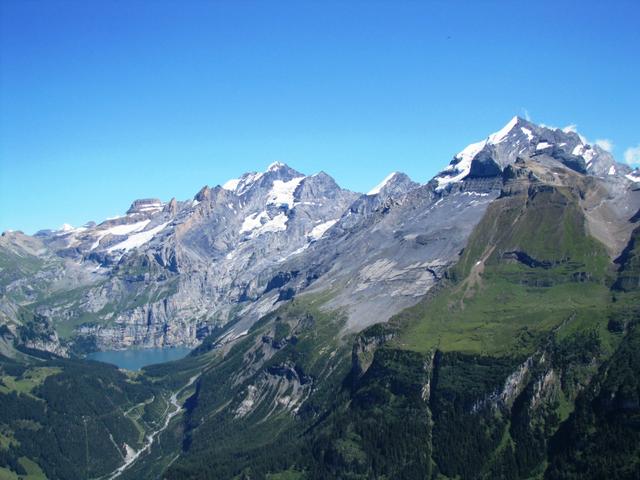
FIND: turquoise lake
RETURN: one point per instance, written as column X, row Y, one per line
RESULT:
column 135, row 359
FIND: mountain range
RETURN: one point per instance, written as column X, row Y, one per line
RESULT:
column 481, row 325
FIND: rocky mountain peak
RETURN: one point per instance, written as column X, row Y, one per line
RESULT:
column 172, row 207
column 522, row 138
column 145, row 205
column 204, row 194
column 280, row 171
column 393, row 184
column 251, row 180
column 322, row 177
column 275, row 166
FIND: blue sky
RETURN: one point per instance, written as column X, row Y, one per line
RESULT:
column 104, row 102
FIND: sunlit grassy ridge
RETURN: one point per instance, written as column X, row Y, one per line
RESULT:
column 529, row 268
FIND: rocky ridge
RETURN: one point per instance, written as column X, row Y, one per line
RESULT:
column 172, row 273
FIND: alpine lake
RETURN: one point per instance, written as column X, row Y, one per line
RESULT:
column 135, row 359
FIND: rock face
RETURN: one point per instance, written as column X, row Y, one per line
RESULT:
column 150, row 205
column 171, row 273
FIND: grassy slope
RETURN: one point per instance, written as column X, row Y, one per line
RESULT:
column 497, row 305
column 497, row 308
column 530, row 280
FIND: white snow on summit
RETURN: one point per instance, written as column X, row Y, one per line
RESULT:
column 463, row 166
column 242, row 184
column 231, row 184
column 375, row 190
column 65, row 228
column 275, row 166
column 502, row 134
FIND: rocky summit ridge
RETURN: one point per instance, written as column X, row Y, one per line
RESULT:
column 171, row 273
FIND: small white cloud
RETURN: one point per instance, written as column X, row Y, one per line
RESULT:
column 632, row 155
column 527, row 117
column 605, row 144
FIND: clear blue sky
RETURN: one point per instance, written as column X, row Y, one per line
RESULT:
column 102, row 102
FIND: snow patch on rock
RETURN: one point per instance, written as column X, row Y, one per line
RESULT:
column 259, row 223
column 319, row 230
column 633, row 176
column 253, row 221
column 119, row 230
column 457, row 171
column 282, row 193
column 246, row 182
column 375, row 190
column 527, row 132
column 138, row 239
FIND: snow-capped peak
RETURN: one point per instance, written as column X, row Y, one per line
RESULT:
column 66, row 228
column 460, row 167
column 502, row 134
column 246, row 181
column 521, row 138
column 231, row 184
column 375, row 190
column 275, row 166
column 240, row 185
